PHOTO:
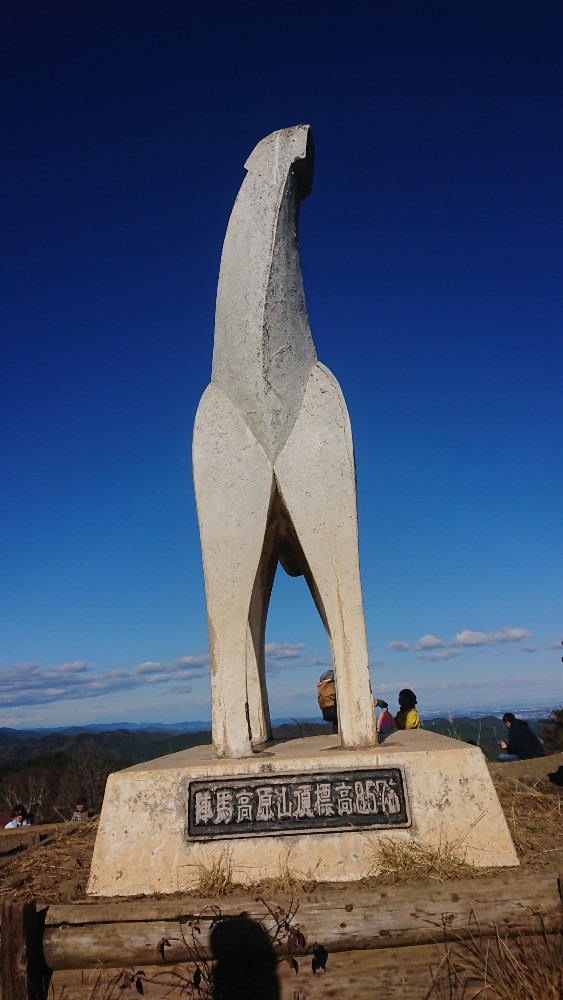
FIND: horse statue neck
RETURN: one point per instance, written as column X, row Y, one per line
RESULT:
column 263, row 351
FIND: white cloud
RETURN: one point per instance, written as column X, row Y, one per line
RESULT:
column 30, row 684
column 442, row 654
column 513, row 634
column 429, row 642
column 26, row 684
column 180, row 689
column 198, row 662
column 78, row 667
column 183, row 668
column 284, row 650
column 148, row 668
column 280, row 655
column 467, row 637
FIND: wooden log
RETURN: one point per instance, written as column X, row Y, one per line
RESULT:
column 352, row 975
column 31, row 838
column 14, row 841
column 28, row 835
column 24, row 975
column 394, row 973
column 128, row 933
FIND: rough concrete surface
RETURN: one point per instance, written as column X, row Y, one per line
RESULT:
column 142, row 843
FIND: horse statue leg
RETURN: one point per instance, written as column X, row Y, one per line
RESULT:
column 315, row 477
column 233, row 486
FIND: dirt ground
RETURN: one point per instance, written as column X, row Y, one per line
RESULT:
column 57, row 870
column 531, row 795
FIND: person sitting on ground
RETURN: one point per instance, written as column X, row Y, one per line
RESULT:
column 21, row 818
column 385, row 721
column 326, row 695
column 523, row 744
column 80, row 814
column 408, row 717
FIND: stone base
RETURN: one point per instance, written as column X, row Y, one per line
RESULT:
column 143, row 844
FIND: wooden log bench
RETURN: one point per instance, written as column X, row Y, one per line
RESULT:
column 129, row 933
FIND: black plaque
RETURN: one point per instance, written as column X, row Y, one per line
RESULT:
column 267, row 804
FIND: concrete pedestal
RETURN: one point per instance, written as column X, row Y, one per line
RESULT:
column 146, row 842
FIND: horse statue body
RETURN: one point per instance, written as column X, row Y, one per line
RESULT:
column 273, row 462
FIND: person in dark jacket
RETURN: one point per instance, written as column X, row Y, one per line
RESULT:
column 522, row 741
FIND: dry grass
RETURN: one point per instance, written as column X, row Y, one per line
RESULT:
column 289, row 880
column 533, row 812
column 214, row 876
column 96, row 984
column 526, row 967
column 395, row 862
column 109, row 984
column 55, row 871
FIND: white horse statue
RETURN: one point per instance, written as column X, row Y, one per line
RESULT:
column 273, row 462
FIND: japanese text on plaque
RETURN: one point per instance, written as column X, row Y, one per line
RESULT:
column 291, row 803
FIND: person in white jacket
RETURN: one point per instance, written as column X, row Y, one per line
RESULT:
column 21, row 818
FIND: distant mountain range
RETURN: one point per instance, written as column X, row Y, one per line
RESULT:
column 174, row 728
column 46, row 769
column 169, row 728
column 204, row 725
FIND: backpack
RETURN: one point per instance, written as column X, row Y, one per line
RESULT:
column 326, row 693
column 385, row 723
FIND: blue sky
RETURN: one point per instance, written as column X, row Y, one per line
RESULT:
column 431, row 251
